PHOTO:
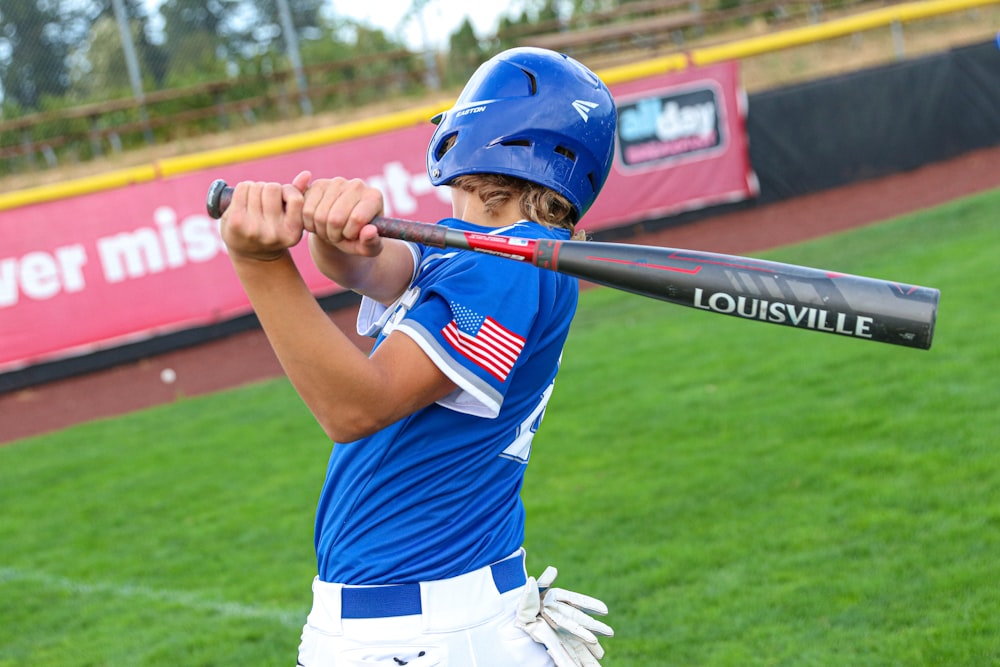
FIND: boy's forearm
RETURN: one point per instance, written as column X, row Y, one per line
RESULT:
column 350, row 393
column 310, row 347
column 383, row 278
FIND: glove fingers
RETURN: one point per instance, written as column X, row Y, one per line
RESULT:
column 590, row 660
column 564, row 623
column 570, row 617
column 548, row 576
column 583, row 631
column 554, row 646
column 586, row 653
column 530, row 603
column 579, row 600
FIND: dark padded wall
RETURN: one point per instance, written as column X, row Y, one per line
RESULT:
column 833, row 132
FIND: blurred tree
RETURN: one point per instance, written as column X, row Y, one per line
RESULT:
column 214, row 38
column 338, row 38
column 97, row 60
column 197, row 39
column 100, row 69
column 266, row 34
column 35, row 40
column 552, row 9
column 465, row 53
column 154, row 57
column 510, row 30
column 548, row 10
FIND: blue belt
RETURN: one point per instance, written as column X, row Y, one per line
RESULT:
column 404, row 599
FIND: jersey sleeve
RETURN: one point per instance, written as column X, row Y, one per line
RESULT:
column 374, row 316
column 474, row 320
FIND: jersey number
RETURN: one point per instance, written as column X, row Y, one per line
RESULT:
column 520, row 449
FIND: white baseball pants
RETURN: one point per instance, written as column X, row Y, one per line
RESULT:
column 466, row 621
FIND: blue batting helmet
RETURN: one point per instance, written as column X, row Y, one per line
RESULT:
column 533, row 114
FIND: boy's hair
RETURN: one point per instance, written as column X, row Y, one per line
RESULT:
column 535, row 202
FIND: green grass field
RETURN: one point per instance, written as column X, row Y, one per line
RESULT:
column 738, row 493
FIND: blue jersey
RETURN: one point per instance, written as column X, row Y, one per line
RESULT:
column 437, row 494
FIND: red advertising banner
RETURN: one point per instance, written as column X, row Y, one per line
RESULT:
column 682, row 145
column 100, row 270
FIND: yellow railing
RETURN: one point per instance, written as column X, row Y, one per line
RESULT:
column 214, row 158
column 786, row 39
column 902, row 13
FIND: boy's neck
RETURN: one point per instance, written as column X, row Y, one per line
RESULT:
column 469, row 207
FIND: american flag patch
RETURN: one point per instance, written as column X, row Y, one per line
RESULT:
column 483, row 341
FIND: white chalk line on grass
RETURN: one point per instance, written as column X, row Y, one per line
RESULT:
column 140, row 592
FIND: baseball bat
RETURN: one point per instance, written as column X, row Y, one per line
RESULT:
column 754, row 289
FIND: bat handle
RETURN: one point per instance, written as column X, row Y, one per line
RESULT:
column 220, row 196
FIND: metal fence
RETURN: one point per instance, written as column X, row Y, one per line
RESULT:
column 82, row 78
column 86, row 78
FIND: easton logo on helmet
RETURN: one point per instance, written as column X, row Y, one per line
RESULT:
column 584, row 108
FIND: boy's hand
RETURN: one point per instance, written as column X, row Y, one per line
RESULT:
column 263, row 220
column 339, row 212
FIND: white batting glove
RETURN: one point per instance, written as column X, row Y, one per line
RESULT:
column 559, row 620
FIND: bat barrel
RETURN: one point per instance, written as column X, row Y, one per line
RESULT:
column 759, row 290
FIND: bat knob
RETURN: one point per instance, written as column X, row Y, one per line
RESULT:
column 219, row 196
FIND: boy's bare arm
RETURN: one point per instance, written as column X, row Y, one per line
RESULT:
column 383, row 277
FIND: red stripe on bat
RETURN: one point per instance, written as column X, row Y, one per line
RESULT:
column 508, row 246
column 715, row 262
column 659, row 267
column 556, row 247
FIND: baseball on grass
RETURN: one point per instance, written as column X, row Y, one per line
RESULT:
column 168, row 376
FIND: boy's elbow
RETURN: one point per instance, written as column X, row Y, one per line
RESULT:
column 348, row 428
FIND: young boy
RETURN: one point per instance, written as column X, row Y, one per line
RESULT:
column 420, row 524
